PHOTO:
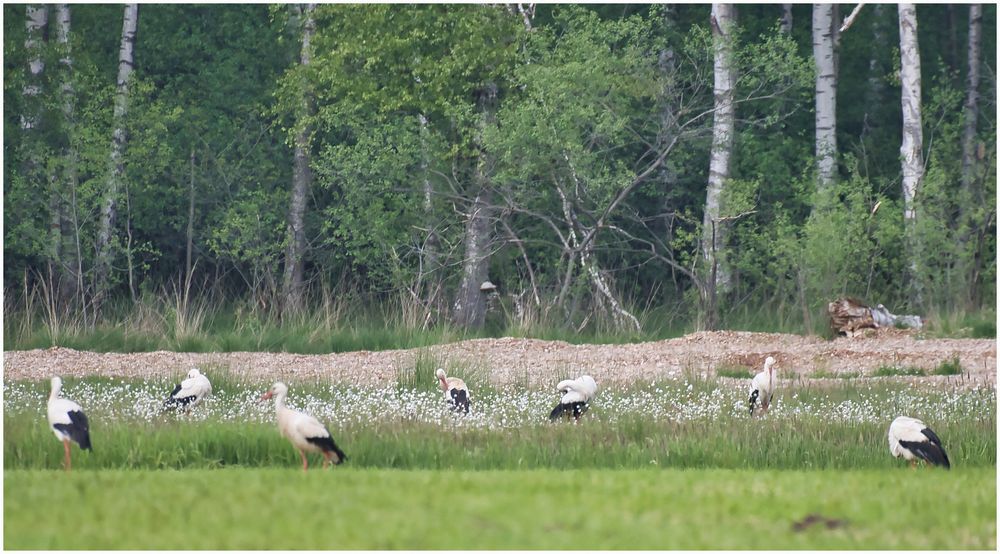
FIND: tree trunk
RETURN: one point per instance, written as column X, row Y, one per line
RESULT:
column 470, row 301
column 826, row 93
column 971, row 196
column 952, row 59
column 36, row 21
column 36, row 26
column 874, row 92
column 301, row 181
column 109, row 205
column 669, row 128
column 189, row 242
column 786, row 19
column 911, row 150
column 70, row 272
column 713, row 232
column 429, row 264
column 971, row 100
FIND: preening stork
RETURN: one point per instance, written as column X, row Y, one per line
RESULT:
column 303, row 430
column 762, row 387
column 913, row 440
column 68, row 421
column 576, row 397
column 190, row 392
column 455, row 392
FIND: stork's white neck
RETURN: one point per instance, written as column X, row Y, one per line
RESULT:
column 56, row 389
column 279, row 401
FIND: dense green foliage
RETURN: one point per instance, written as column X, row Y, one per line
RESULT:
column 589, row 132
column 461, row 510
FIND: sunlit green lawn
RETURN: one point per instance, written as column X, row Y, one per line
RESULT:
column 343, row 508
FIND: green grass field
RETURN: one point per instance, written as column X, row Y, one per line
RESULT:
column 652, row 466
column 348, row 508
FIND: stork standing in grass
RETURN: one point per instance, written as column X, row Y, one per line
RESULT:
column 455, row 392
column 303, row 430
column 913, row 440
column 575, row 399
column 190, row 392
column 762, row 387
column 68, row 421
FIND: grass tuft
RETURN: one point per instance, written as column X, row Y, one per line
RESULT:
column 825, row 374
column 948, row 367
column 735, row 372
column 894, row 371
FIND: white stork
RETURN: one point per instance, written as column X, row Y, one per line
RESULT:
column 303, row 430
column 190, row 392
column 68, row 421
column 762, row 387
column 455, row 392
column 576, row 396
column 913, row 440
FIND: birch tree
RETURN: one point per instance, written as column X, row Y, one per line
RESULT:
column 295, row 237
column 66, row 179
column 723, row 18
column 971, row 98
column 786, row 19
column 824, row 52
column 36, row 24
column 36, row 21
column 911, row 150
column 109, row 207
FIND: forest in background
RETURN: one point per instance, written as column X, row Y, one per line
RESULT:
column 609, row 170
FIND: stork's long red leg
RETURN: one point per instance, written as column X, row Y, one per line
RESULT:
column 66, row 462
column 327, row 458
column 305, row 462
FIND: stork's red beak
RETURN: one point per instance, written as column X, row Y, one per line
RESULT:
column 266, row 396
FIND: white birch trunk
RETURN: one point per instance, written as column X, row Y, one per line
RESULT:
column 786, row 19
column 826, row 93
column 69, row 253
column 911, row 150
column 109, row 206
column 301, row 181
column 713, row 231
column 36, row 19
column 36, row 23
column 971, row 100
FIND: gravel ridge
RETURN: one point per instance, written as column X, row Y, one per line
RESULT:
column 538, row 362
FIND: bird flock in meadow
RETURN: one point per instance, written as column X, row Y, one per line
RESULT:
column 909, row 438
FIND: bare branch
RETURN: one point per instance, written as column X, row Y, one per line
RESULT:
column 850, row 18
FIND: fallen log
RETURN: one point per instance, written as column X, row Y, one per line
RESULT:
column 849, row 315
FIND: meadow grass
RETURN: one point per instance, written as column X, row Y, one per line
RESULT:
column 894, row 371
column 824, row 374
column 735, row 372
column 948, row 367
column 669, row 424
column 344, row 319
column 789, row 444
column 662, row 465
column 348, row 508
